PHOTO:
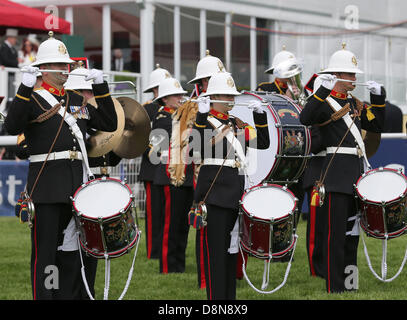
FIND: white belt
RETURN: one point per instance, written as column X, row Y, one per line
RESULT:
column 218, row 162
column 69, row 154
column 344, row 150
column 320, row 154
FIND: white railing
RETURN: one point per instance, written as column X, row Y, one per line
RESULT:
column 120, row 83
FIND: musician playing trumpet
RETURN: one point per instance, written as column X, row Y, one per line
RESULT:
column 219, row 185
column 340, row 117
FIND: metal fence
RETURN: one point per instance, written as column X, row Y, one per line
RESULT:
column 129, row 170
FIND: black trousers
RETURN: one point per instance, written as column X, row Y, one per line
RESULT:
column 220, row 265
column 154, row 218
column 54, row 274
column 178, row 201
column 340, row 245
column 315, row 238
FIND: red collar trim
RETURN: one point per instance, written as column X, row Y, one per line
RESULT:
column 281, row 84
column 338, row 95
column 218, row 114
column 53, row 90
column 169, row 110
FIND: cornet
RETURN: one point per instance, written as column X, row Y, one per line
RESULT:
column 291, row 69
column 2, row 117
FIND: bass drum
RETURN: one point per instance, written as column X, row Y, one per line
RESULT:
column 290, row 141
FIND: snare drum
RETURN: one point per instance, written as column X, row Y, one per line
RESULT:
column 103, row 213
column 267, row 221
column 382, row 201
column 290, row 141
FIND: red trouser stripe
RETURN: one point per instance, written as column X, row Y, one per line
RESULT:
column 201, row 253
column 166, row 228
column 149, row 219
column 312, row 237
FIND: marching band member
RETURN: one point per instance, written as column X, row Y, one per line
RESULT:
column 147, row 169
column 340, row 119
column 279, row 85
column 39, row 115
column 206, row 67
column 177, row 197
column 219, row 183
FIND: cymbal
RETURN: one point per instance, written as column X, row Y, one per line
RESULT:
column 137, row 128
column 372, row 142
column 102, row 142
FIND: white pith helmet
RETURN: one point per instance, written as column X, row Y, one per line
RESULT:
column 207, row 66
column 342, row 61
column 279, row 58
column 221, row 83
column 52, row 51
column 156, row 76
column 169, row 87
column 76, row 80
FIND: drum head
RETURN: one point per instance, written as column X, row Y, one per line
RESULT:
column 102, row 198
column 268, row 202
column 382, row 185
column 287, row 138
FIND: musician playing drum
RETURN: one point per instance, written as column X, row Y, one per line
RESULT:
column 341, row 119
column 37, row 116
column 219, row 184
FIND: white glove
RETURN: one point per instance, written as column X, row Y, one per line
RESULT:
column 374, row 87
column 29, row 77
column 328, row 80
column 255, row 105
column 96, row 75
column 203, row 104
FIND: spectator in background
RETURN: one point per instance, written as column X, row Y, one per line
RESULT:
column 9, row 57
column 118, row 63
column 28, row 51
column 8, row 54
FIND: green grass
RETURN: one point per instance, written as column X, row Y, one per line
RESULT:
column 148, row 284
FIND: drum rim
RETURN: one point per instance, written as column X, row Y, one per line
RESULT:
column 267, row 255
column 112, row 254
column 372, row 171
column 380, row 235
column 80, row 214
column 264, row 185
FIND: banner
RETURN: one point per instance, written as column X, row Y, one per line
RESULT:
column 13, row 177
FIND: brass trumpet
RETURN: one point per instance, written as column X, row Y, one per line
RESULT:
column 291, row 69
column 229, row 103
